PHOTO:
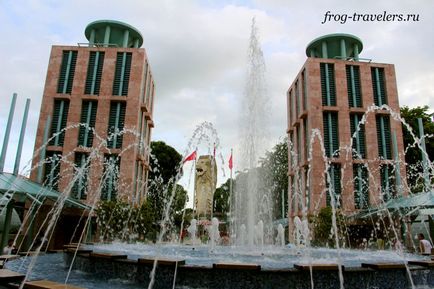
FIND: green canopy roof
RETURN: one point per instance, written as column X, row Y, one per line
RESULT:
column 27, row 188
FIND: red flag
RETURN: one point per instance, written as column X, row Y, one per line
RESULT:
column 214, row 151
column 231, row 165
column 191, row 157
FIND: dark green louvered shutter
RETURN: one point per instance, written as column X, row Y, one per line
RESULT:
column 81, row 172
column 110, row 177
column 334, row 189
column 383, row 136
column 303, row 75
column 122, row 73
column 328, row 87
column 378, row 86
column 331, row 134
column 52, row 169
column 116, row 124
column 361, row 186
column 58, row 124
column 353, row 86
column 387, row 175
column 94, row 73
column 359, row 148
column 87, row 123
column 67, row 70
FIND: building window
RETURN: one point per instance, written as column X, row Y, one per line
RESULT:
column 328, row 88
column 67, row 69
column 304, row 81
column 81, row 174
column 361, row 186
column 297, row 98
column 94, row 73
column 331, row 134
column 58, row 124
column 291, row 150
column 52, row 169
column 298, row 131
column 148, row 89
column 378, row 86
column 306, row 138
column 307, row 186
column 109, row 190
column 333, row 185
column 144, row 83
column 87, row 123
column 358, row 136
column 387, row 175
column 122, row 73
column 383, row 137
column 353, row 86
column 116, row 124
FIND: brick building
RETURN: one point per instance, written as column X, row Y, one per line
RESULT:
column 328, row 102
column 98, row 100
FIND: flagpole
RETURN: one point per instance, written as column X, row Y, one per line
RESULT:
column 194, row 190
column 230, row 196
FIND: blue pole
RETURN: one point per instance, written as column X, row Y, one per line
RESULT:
column 20, row 142
column 7, row 133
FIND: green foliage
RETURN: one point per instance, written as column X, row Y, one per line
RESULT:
column 165, row 163
column 323, row 235
column 274, row 167
column 413, row 155
column 117, row 220
column 221, row 200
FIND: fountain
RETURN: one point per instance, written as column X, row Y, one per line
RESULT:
column 250, row 260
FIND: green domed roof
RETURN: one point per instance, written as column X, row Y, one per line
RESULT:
column 337, row 45
column 112, row 32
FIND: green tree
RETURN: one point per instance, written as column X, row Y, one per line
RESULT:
column 413, row 154
column 323, row 232
column 221, row 200
column 165, row 164
column 274, row 167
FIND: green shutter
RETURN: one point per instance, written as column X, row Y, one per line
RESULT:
column 353, row 86
column 58, row 124
column 303, row 75
column 328, row 87
column 110, row 177
column 94, row 73
column 378, row 86
column 122, row 73
column 87, row 123
column 116, row 124
column 334, row 189
column 361, row 186
column 387, row 175
column 81, row 172
column 67, row 70
column 331, row 134
column 384, row 136
column 52, row 169
column 359, row 149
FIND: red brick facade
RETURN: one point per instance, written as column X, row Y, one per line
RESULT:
column 137, row 107
column 309, row 198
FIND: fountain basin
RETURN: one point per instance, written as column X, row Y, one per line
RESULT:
column 107, row 267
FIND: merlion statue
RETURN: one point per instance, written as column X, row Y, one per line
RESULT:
column 205, row 182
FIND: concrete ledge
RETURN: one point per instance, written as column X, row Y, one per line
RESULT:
column 30, row 253
column 45, row 284
column 79, row 251
column 318, row 267
column 384, row 266
column 7, row 276
column 165, row 262
column 237, row 266
column 9, row 257
column 108, row 256
column 425, row 263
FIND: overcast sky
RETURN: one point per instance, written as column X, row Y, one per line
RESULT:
column 198, row 54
